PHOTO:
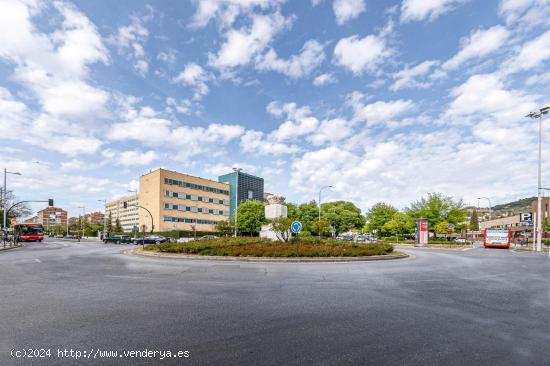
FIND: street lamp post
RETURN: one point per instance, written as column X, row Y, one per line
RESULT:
column 5, row 200
column 236, row 170
column 321, row 190
column 490, row 206
column 104, row 217
column 539, row 114
column 82, row 220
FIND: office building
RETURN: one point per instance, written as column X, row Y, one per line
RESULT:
column 183, row 202
column 128, row 217
column 51, row 217
column 243, row 187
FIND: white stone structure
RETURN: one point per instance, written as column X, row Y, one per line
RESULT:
column 274, row 210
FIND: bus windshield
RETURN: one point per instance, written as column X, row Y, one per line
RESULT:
column 26, row 230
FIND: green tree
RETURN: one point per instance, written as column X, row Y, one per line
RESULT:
column 225, row 227
column 379, row 215
column 474, row 221
column 400, row 224
column 118, row 228
column 437, row 208
column 308, row 215
column 109, row 227
column 251, row 217
column 20, row 210
column 322, row 226
column 281, row 227
column 443, row 228
column 292, row 209
column 342, row 215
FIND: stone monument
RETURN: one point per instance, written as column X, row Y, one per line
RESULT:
column 273, row 210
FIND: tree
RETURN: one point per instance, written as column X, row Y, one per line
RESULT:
column 380, row 214
column 109, row 224
column 342, row 215
column 322, row 226
column 474, row 221
column 281, row 228
column 251, row 217
column 225, row 227
column 118, row 228
column 292, row 210
column 437, row 208
column 21, row 210
column 399, row 224
column 443, row 228
column 308, row 214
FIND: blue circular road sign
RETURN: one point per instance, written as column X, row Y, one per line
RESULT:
column 296, row 227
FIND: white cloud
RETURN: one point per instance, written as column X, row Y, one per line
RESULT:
column 241, row 45
column 54, row 66
column 310, row 57
column 345, row 10
column 183, row 107
column 378, row 112
column 256, row 142
column 360, row 54
column 485, row 96
column 528, row 13
column 299, row 121
column 324, row 79
column 331, row 131
column 481, row 43
column 169, row 56
column 531, row 54
column 130, row 157
column 227, row 11
column 407, row 78
column 194, row 75
column 151, row 129
column 130, row 38
column 417, row 10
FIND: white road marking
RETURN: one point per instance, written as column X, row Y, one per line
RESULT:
column 37, row 260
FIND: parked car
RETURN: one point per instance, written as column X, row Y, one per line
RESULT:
column 208, row 237
column 118, row 239
column 150, row 239
column 460, row 240
column 184, row 240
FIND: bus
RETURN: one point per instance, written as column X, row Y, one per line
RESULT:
column 496, row 238
column 29, row 232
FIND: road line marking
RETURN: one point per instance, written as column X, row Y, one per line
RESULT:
column 37, row 260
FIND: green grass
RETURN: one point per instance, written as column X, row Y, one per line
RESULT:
column 259, row 247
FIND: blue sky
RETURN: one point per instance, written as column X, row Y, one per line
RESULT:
column 384, row 100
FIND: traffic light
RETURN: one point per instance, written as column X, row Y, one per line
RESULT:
column 50, row 202
column 125, row 204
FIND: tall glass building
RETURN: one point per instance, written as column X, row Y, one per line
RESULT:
column 243, row 187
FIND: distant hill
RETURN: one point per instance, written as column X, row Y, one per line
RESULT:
column 521, row 205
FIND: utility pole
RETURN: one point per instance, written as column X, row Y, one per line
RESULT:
column 5, row 200
column 325, row 187
column 539, row 114
column 237, row 170
column 104, row 217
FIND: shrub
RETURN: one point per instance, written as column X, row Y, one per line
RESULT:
column 262, row 247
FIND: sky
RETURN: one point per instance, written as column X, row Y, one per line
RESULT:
column 383, row 100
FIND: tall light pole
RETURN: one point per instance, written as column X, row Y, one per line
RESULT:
column 539, row 114
column 236, row 170
column 104, row 217
column 82, row 220
column 321, row 190
column 5, row 200
column 490, row 206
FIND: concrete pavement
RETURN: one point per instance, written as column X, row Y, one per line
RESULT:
column 476, row 307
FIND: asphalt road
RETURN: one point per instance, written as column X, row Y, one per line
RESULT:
column 476, row 307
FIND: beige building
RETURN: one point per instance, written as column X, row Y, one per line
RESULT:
column 51, row 217
column 509, row 221
column 182, row 202
column 128, row 216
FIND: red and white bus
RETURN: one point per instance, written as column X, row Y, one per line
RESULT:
column 29, row 232
column 497, row 238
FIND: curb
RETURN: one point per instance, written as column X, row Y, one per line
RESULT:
column 8, row 248
column 373, row 258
